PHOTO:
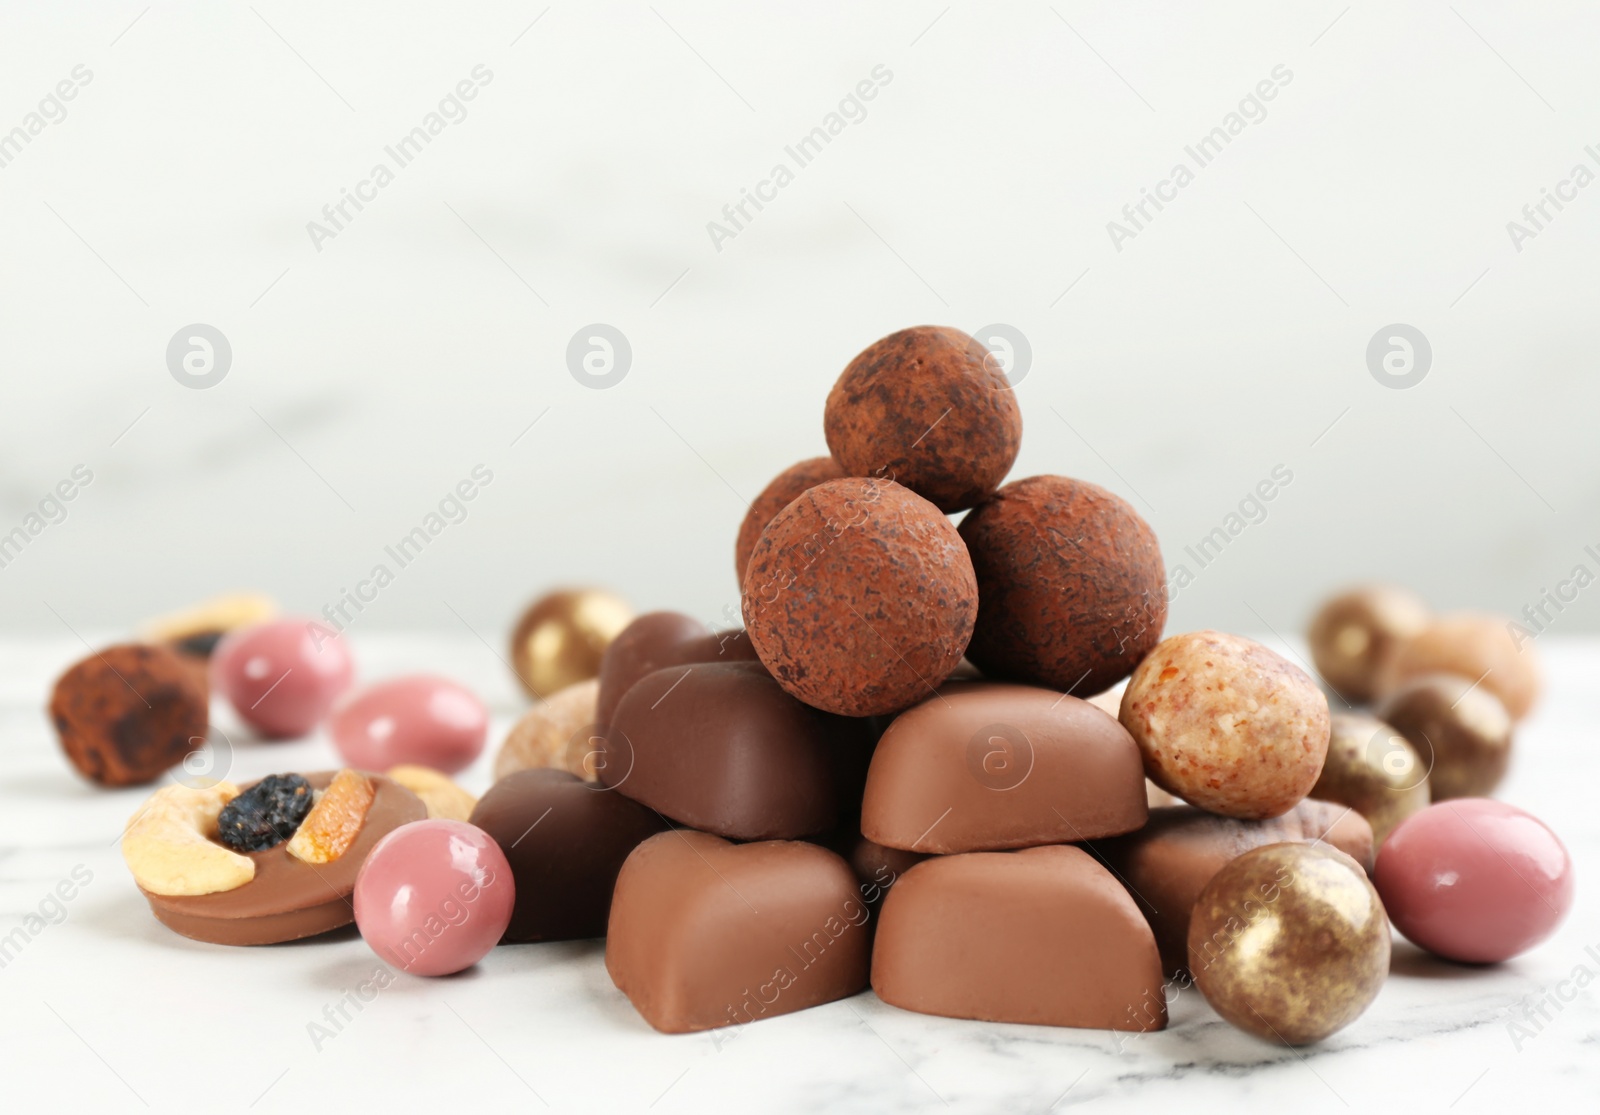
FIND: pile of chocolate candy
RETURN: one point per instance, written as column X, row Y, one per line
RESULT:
column 911, row 769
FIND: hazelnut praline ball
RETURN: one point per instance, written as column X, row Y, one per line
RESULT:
column 929, row 408
column 1071, row 586
column 860, row 598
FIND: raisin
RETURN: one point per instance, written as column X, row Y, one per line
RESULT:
column 267, row 813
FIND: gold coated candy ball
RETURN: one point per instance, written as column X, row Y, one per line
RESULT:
column 1290, row 942
column 560, row 638
column 1373, row 769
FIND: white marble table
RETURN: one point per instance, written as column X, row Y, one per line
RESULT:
column 103, row 1009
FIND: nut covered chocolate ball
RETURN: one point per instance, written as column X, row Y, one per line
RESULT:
column 1071, row 588
column 1290, row 942
column 775, row 497
column 927, row 407
column 1227, row 725
column 860, row 597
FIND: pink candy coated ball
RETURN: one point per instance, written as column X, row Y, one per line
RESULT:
column 1474, row 880
column 430, row 721
column 282, row 677
column 433, row 897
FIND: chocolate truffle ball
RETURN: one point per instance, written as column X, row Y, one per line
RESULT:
column 1479, row 647
column 561, row 636
column 1374, row 770
column 128, row 713
column 1461, row 731
column 1071, row 589
column 775, row 497
column 1290, row 942
column 1354, row 632
column 1227, row 725
column 860, row 597
column 927, row 407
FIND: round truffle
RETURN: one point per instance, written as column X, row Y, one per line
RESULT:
column 775, row 497
column 1226, row 724
column 1462, row 732
column 1485, row 649
column 1071, row 588
column 927, row 407
column 1374, row 770
column 860, row 597
column 561, row 636
column 1354, row 632
column 128, row 713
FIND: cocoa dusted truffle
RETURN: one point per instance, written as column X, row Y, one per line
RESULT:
column 1072, row 591
column 775, row 497
column 860, row 597
column 128, row 713
column 927, row 407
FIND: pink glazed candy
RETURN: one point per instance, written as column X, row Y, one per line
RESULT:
column 433, row 897
column 430, row 721
column 1474, row 880
column 282, row 677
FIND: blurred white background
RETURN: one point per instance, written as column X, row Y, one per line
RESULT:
column 1179, row 367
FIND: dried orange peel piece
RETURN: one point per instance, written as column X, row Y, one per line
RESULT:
column 335, row 821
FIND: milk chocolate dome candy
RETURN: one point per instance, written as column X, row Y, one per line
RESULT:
column 720, row 747
column 777, row 495
column 1071, row 587
column 1044, row 936
column 927, row 407
column 704, row 933
column 860, row 597
column 985, row 766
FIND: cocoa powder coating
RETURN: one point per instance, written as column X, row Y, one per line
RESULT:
column 128, row 713
column 775, row 497
column 860, row 597
column 927, row 407
column 1072, row 590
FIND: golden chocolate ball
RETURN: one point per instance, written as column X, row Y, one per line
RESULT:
column 560, row 638
column 558, row 733
column 1290, row 942
column 1374, row 770
column 1480, row 647
column 1462, row 732
column 1353, row 634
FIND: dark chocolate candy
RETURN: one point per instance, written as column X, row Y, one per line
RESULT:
column 1166, row 864
column 657, row 640
column 1044, row 935
column 705, row 933
column 722, row 748
column 565, row 839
